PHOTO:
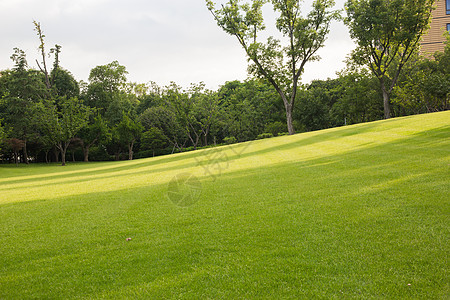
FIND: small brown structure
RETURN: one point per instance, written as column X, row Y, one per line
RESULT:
column 434, row 39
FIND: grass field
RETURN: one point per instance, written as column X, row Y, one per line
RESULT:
column 353, row 212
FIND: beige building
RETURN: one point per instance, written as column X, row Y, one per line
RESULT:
column 434, row 39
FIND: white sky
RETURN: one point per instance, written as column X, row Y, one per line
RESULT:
column 160, row 41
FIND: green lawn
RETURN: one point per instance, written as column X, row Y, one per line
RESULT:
column 353, row 212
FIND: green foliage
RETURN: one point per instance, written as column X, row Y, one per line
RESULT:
column 111, row 77
column 21, row 89
column 96, row 132
column 230, row 140
column 128, row 131
column 60, row 123
column 387, row 33
column 426, row 84
column 107, row 92
column 2, row 135
column 313, row 108
column 99, row 153
column 154, row 139
column 275, row 128
column 175, row 119
column 64, row 83
column 246, row 107
column 359, row 98
column 281, row 65
column 264, row 135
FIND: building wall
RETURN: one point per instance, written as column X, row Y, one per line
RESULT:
column 434, row 40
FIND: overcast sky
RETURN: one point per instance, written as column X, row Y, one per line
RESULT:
column 160, row 41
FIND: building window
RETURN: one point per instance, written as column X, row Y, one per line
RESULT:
column 448, row 6
column 448, row 28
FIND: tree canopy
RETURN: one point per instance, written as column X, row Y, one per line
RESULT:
column 387, row 33
column 280, row 62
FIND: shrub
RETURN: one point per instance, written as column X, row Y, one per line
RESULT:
column 230, row 140
column 264, row 135
column 99, row 154
column 275, row 128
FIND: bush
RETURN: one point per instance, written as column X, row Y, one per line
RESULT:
column 230, row 140
column 264, row 136
column 99, row 154
column 275, row 128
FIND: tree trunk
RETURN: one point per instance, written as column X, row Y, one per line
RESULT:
column 63, row 147
column 387, row 108
column 56, row 152
column 16, row 158
column 290, row 126
column 63, row 157
column 25, row 153
column 130, row 151
column 46, row 156
column 86, row 153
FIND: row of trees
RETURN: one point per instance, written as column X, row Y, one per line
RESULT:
column 387, row 33
column 45, row 112
column 111, row 117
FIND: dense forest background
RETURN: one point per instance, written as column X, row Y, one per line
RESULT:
column 50, row 116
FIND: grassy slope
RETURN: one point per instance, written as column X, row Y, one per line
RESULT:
column 357, row 211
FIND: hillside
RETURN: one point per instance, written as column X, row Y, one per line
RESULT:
column 354, row 212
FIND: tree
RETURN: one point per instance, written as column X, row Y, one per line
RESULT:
column 96, row 132
column 21, row 89
column 107, row 92
column 182, row 104
column 128, row 132
column 280, row 65
column 40, row 34
column 154, row 139
column 61, row 123
column 246, row 108
column 63, row 83
column 205, row 109
column 163, row 118
column 359, row 98
column 387, row 33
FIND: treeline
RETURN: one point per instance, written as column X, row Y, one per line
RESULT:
column 51, row 117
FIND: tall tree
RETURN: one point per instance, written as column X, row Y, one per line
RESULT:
column 107, row 92
column 281, row 65
column 43, row 68
column 154, row 139
column 63, row 121
column 182, row 105
column 164, row 118
column 96, row 132
column 387, row 33
column 21, row 89
column 128, row 132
